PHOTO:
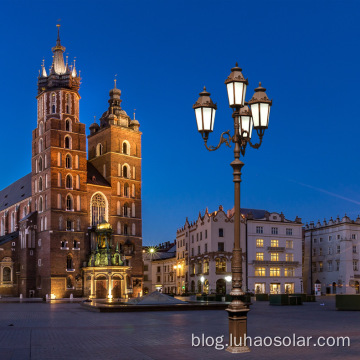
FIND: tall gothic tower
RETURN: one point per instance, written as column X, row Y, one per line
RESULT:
column 114, row 149
column 59, row 173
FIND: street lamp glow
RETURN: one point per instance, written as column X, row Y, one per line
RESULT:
column 228, row 278
column 202, row 279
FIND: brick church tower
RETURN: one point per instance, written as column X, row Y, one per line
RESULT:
column 51, row 218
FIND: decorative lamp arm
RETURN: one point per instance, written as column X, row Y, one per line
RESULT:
column 223, row 139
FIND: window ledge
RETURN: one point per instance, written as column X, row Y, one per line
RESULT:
column 75, row 248
column 70, row 270
column 64, row 248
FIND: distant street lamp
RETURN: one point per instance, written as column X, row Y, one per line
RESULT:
column 245, row 119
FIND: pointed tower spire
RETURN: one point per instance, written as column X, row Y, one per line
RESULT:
column 43, row 70
column 58, row 64
column 73, row 73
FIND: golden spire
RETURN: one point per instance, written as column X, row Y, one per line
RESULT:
column 115, row 81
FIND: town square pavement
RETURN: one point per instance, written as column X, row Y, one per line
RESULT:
column 68, row 331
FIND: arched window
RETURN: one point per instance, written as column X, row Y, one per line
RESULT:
column 67, row 142
column 40, row 203
column 46, row 181
column 68, row 161
column 53, row 103
column 99, row 149
column 69, row 262
column 98, row 209
column 67, row 125
column 2, row 227
column 69, row 203
column 126, row 190
column 40, row 164
column 6, row 274
column 41, row 142
column 12, row 221
column 45, row 223
column 126, row 148
column 68, row 181
column 41, row 128
column 125, row 171
column 126, row 210
column 24, row 211
column 68, row 103
column 40, row 184
column 69, row 282
column 125, row 230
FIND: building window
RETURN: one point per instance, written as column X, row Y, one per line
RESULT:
column 68, row 182
column 158, row 279
column 274, row 243
column 6, row 274
column 354, row 249
column 53, row 107
column 289, row 244
column 314, row 251
column 125, row 230
column 330, row 266
column 289, row 231
column 355, row 265
column 126, row 148
column 67, row 142
column 126, row 190
column 259, row 243
column 260, row 256
column 330, row 238
column 198, row 250
column 289, row 272
column 69, row 203
column 68, row 161
column 338, row 237
column 274, row 256
column 146, row 267
column 274, row 271
column 315, row 241
column 192, row 238
column 221, row 246
column 289, row 257
column 260, row 271
column 274, row 231
column 40, row 164
column 99, row 149
column 206, row 248
column 40, row 184
column 126, row 172
column 98, row 207
column 314, row 267
column 68, row 225
column 337, row 265
column 67, row 125
column 321, row 240
column 192, row 251
column 126, row 210
column 220, row 264
column 221, row 232
column 69, row 262
column 320, row 251
column 320, row 266
column 205, row 234
column 206, row 267
column 259, row 230
column 353, row 236
column 338, row 249
column 329, row 250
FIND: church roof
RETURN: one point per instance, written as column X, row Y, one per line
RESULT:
column 16, row 192
column 94, row 177
column 6, row 238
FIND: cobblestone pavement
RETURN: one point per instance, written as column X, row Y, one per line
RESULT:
column 67, row 331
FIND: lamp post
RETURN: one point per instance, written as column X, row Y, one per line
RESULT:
column 245, row 119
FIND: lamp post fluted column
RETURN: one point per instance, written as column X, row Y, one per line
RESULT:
column 244, row 121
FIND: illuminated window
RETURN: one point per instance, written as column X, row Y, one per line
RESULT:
column 98, row 207
column 289, row 272
column 260, row 256
column 274, row 256
column 259, row 243
column 274, row 271
column 206, row 266
column 260, row 271
column 289, row 244
column 320, row 266
column 274, row 243
column 220, row 265
column 289, row 257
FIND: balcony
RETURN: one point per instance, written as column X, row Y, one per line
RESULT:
column 276, row 248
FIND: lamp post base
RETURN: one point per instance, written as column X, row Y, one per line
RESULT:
column 237, row 328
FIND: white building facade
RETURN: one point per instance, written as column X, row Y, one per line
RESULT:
column 331, row 257
column 272, row 253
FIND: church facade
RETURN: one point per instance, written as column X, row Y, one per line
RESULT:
column 50, row 218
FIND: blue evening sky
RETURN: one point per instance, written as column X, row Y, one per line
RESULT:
column 305, row 53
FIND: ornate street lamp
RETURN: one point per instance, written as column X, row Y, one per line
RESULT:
column 245, row 119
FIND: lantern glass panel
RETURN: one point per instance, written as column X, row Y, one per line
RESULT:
column 246, row 125
column 264, row 114
column 255, row 114
column 207, row 116
column 230, row 91
column 198, row 115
